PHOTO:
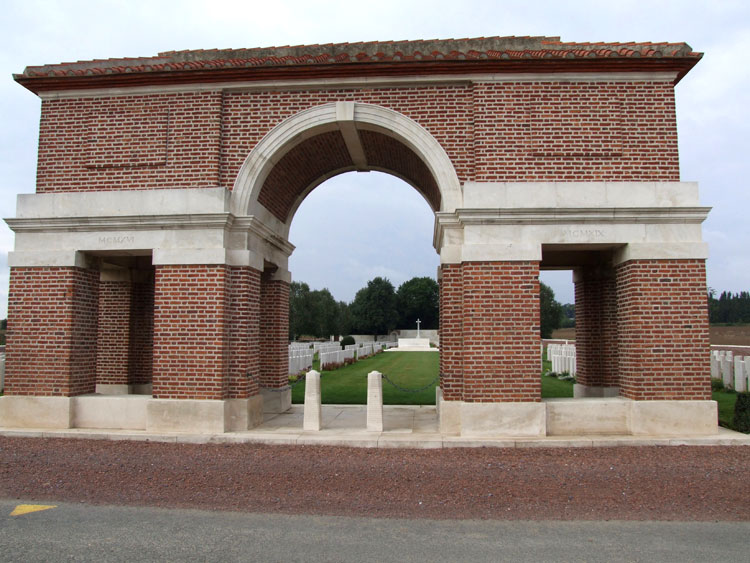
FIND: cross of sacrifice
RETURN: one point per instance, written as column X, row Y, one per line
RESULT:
column 418, row 323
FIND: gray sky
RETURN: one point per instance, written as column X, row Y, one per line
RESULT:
column 357, row 226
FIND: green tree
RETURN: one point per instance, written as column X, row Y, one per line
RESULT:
column 551, row 311
column 300, row 310
column 418, row 298
column 374, row 308
column 315, row 313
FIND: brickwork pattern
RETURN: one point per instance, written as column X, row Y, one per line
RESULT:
column 274, row 334
column 190, row 316
column 300, row 167
column 141, row 356
column 244, row 332
column 490, row 347
column 52, row 331
column 451, row 331
column 535, row 132
column 663, row 330
column 130, row 142
column 501, row 331
column 596, row 328
column 114, row 331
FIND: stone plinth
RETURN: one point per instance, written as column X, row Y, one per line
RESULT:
column 414, row 345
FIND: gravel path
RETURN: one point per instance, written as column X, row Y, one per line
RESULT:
column 624, row 483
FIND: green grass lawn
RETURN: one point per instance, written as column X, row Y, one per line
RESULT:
column 348, row 385
column 726, row 403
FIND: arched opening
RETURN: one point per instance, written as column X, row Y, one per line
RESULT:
column 313, row 146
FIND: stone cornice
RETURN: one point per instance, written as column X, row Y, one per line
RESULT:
column 224, row 221
column 445, row 221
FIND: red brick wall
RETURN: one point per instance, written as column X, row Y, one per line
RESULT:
column 113, row 345
column 141, row 356
column 274, row 332
column 190, row 316
column 130, row 142
column 575, row 132
column 52, row 331
column 663, row 330
column 596, row 328
column 451, row 332
column 491, row 132
column 489, row 332
column 244, row 332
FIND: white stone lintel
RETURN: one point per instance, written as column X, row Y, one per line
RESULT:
column 47, row 258
column 500, row 252
column 661, row 251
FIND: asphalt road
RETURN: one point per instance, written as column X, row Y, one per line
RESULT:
column 78, row 532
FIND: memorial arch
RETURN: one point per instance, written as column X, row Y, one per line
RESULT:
column 156, row 243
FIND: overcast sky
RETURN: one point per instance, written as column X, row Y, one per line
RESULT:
column 359, row 226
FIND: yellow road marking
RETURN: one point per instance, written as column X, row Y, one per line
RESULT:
column 26, row 508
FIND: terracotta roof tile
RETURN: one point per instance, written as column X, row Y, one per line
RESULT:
column 497, row 48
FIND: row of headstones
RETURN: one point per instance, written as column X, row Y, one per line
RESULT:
column 300, row 361
column 312, row 418
column 562, row 357
column 734, row 371
column 301, row 354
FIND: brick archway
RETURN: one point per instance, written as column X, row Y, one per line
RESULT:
column 345, row 136
column 166, row 187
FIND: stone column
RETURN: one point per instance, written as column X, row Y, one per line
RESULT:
column 596, row 332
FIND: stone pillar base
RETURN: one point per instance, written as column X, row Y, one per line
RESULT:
column 20, row 411
column 573, row 417
column 581, row 391
column 492, row 419
column 131, row 412
column 204, row 416
column 276, row 401
column 674, row 418
column 121, row 412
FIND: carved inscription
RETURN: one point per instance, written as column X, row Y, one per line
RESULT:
column 583, row 233
column 124, row 239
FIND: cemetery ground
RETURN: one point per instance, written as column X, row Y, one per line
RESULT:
column 410, row 370
column 415, row 370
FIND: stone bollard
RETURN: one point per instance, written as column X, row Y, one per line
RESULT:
column 312, row 416
column 375, row 401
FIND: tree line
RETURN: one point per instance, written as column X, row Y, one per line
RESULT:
column 729, row 308
column 379, row 308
